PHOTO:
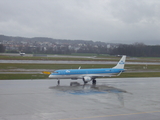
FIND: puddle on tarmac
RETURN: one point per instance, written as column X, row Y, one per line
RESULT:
column 76, row 88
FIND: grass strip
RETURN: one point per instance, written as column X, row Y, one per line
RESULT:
column 88, row 58
column 22, row 76
column 12, row 66
column 139, row 74
column 50, row 66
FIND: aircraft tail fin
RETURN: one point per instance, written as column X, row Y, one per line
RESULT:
column 121, row 63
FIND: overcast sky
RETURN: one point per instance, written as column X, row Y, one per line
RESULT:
column 111, row 21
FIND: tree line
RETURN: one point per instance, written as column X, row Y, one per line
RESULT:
column 2, row 48
column 137, row 50
column 133, row 50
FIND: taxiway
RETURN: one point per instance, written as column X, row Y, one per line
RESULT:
column 111, row 99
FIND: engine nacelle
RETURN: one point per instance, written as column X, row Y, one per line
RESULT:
column 87, row 79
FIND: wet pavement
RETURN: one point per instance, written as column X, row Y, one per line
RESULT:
column 74, row 62
column 111, row 99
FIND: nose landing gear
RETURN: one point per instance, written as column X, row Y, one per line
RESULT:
column 58, row 82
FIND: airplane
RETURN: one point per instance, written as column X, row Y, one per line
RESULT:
column 21, row 54
column 88, row 75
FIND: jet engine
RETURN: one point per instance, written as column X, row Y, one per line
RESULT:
column 87, row 79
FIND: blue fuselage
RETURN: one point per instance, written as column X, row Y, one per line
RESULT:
column 80, row 73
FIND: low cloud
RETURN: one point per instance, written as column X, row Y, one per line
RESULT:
column 124, row 21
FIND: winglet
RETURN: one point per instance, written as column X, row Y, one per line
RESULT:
column 121, row 63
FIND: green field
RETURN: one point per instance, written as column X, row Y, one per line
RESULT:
column 140, row 70
column 22, row 76
column 13, row 66
column 154, row 70
column 89, row 57
column 140, row 74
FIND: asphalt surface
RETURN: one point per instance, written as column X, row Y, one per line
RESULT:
column 75, row 62
column 110, row 99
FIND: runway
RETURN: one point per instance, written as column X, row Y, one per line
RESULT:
column 74, row 62
column 111, row 99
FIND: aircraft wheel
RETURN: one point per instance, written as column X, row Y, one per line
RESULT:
column 94, row 81
column 58, row 82
column 85, row 82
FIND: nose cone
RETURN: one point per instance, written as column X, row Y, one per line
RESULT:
column 50, row 76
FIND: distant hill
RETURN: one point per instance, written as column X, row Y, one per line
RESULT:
column 45, row 39
column 44, row 45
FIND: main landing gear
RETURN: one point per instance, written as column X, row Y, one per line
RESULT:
column 94, row 82
column 85, row 82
